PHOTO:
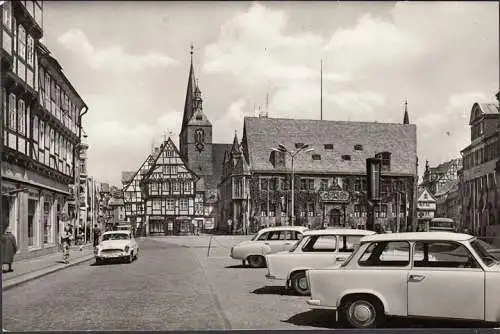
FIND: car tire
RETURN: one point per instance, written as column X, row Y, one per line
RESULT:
column 98, row 261
column 130, row 258
column 256, row 261
column 299, row 283
column 362, row 312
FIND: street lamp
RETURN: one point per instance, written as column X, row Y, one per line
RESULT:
column 304, row 148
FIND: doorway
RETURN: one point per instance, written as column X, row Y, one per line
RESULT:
column 334, row 217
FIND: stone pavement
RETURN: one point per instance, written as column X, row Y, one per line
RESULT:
column 29, row 269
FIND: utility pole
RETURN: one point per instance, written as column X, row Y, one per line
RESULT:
column 321, row 94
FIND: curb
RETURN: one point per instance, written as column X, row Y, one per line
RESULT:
column 9, row 284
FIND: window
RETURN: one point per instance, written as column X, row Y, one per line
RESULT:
column 291, row 235
column 263, row 209
column 442, row 254
column 52, row 141
column 166, row 187
column 170, row 204
column 21, row 112
column 4, row 106
column 35, row 128
column 7, row 15
column 47, row 237
column 264, row 236
column 272, row 209
column 386, row 254
column 21, row 42
column 316, row 157
column 263, row 184
column 47, row 136
column 30, row 50
column 175, row 186
column 187, row 186
column 346, row 157
column 321, row 243
column 328, row 146
column 170, row 153
column 310, row 209
column 154, row 188
column 385, row 158
column 183, row 204
column 349, row 243
column 276, row 235
column 12, row 112
column 41, row 141
column 358, row 147
column 32, row 205
column 324, row 184
column 156, row 205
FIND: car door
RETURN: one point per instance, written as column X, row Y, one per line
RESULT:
column 319, row 251
column 445, row 281
column 275, row 241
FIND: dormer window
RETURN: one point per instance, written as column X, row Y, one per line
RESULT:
column 346, row 157
column 385, row 158
column 299, row 145
column 358, row 147
column 328, row 146
column 316, row 157
column 199, row 117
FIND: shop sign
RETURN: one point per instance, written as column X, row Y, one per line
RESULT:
column 334, row 196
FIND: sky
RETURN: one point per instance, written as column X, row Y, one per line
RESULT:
column 130, row 61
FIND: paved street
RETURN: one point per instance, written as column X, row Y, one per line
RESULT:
column 173, row 285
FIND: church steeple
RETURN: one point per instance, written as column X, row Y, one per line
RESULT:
column 235, row 149
column 190, row 94
column 406, row 118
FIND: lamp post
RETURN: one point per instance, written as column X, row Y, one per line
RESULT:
column 304, row 148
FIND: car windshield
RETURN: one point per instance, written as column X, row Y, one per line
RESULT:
column 482, row 251
column 115, row 236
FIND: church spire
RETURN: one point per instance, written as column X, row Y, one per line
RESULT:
column 190, row 94
column 406, row 118
column 235, row 149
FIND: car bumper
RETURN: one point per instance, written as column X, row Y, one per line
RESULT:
column 112, row 256
column 316, row 303
column 272, row 277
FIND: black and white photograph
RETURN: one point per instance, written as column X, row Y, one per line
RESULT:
column 244, row 165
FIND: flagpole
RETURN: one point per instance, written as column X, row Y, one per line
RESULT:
column 321, row 94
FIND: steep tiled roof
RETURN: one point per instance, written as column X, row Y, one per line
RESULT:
column 262, row 134
column 489, row 108
column 218, row 151
column 447, row 187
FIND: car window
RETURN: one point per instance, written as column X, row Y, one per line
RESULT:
column 274, row 235
column 321, row 243
column 386, row 254
column 263, row 236
column 442, row 254
column 284, row 235
column 349, row 243
column 289, row 235
column 115, row 236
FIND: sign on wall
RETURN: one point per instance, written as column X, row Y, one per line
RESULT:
column 334, row 196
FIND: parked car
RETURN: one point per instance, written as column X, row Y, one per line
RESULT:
column 492, row 250
column 317, row 249
column 443, row 275
column 267, row 241
column 116, row 245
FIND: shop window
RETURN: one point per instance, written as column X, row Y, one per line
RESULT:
column 47, row 224
column 32, row 205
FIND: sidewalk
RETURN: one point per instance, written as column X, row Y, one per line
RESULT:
column 27, row 270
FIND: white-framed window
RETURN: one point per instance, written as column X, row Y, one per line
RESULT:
column 21, row 42
column 41, row 141
column 4, row 105
column 156, row 205
column 187, row 186
column 170, row 204
column 7, row 15
column 175, row 185
column 12, row 112
column 47, row 136
column 183, row 204
column 28, row 121
column 52, row 141
column 21, row 114
column 154, row 188
column 30, row 48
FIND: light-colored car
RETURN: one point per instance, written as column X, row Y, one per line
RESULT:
column 317, row 249
column 267, row 241
column 443, row 275
column 116, row 245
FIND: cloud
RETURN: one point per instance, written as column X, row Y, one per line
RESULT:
column 466, row 100
column 111, row 58
column 230, row 121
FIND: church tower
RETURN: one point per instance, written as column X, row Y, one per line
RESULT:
column 195, row 140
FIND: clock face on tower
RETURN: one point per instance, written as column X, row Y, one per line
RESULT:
column 199, row 139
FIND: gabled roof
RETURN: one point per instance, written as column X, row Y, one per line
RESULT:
column 421, row 191
column 481, row 109
column 261, row 134
column 447, row 188
column 144, row 164
column 127, row 177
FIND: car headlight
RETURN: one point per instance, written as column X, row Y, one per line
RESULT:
column 127, row 248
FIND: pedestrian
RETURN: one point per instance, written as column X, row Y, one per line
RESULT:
column 97, row 234
column 65, row 241
column 9, row 248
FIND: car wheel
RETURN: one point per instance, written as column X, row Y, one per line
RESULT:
column 136, row 254
column 299, row 283
column 98, row 261
column 256, row 261
column 363, row 312
column 130, row 257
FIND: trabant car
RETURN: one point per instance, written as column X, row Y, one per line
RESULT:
column 317, row 249
column 116, row 245
column 442, row 275
column 267, row 241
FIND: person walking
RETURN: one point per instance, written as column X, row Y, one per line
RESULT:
column 9, row 248
column 97, row 235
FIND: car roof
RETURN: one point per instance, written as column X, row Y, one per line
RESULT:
column 284, row 228
column 339, row 231
column 413, row 236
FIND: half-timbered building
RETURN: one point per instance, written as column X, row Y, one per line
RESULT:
column 41, row 124
column 436, row 179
